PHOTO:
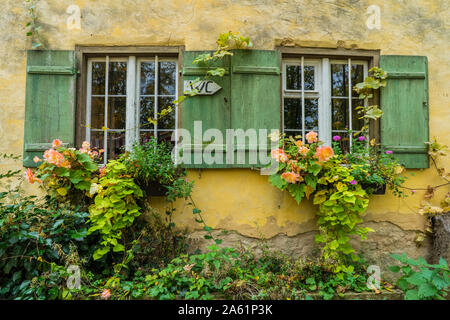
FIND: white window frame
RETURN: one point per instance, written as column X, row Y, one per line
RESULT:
column 322, row 92
column 132, row 122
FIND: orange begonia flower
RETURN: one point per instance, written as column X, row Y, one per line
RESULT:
column 279, row 155
column 290, row 177
column 324, row 153
column 311, row 137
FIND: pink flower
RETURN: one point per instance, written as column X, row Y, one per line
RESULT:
column 388, row 152
column 56, row 143
column 85, row 145
column 324, row 153
column 311, row 137
column 361, row 138
column 413, row 191
column 336, row 138
column 53, row 157
column 353, row 182
column 31, row 177
column 36, row 159
column 106, row 294
column 279, row 155
column 290, row 177
column 303, row 150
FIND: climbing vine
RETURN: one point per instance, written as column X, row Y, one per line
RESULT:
column 33, row 27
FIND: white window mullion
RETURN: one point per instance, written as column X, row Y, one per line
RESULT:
column 156, row 97
column 131, row 123
column 325, row 117
column 105, row 131
column 89, row 102
column 303, row 96
column 350, row 115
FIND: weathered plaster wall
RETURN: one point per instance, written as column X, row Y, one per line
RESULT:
column 241, row 200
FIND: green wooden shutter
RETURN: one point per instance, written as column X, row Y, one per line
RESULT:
column 214, row 111
column 50, row 101
column 404, row 100
column 255, row 96
column 249, row 99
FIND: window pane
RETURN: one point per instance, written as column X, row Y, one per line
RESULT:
column 116, row 144
column 97, row 113
column 292, row 113
column 339, row 109
column 165, row 136
column 294, row 134
column 357, row 76
column 293, row 78
column 116, row 112
column 98, row 78
column 166, row 79
column 147, row 78
column 311, row 114
column 117, row 83
column 357, row 123
column 167, row 121
column 339, row 80
column 309, row 77
column 147, row 110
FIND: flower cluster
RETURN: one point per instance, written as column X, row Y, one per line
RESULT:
column 296, row 156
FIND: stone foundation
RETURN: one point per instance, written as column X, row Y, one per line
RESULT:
column 387, row 238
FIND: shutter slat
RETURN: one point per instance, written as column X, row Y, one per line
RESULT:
column 50, row 101
column 404, row 101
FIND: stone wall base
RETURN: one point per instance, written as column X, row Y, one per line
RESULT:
column 387, row 238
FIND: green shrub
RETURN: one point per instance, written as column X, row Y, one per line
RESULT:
column 420, row 280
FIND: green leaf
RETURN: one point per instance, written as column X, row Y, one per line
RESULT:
column 297, row 191
column 277, row 181
column 394, row 268
column 415, row 279
column 412, row 295
column 427, row 290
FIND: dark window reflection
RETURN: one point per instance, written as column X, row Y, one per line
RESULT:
column 147, row 78
column 309, row 77
column 357, row 76
column 97, row 113
column 166, row 79
column 147, row 110
column 357, row 123
column 339, row 80
column 292, row 113
column 311, row 114
column 98, row 78
column 339, row 109
column 117, row 83
column 294, row 75
column 116, row 144
column 117, row 112
column 344, row 142
column 167, row 121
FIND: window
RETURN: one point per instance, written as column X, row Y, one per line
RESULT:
column 122, row 94
column 318, row 95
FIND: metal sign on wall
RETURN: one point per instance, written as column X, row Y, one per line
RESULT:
column 202, row 87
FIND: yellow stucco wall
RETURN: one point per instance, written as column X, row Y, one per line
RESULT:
column 238, row 199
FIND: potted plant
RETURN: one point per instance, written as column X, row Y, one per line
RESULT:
column 154, row 169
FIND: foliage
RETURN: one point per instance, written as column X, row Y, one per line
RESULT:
column 420, row 280
column 36, row 236
column 114, row 207
column 67, row 173
column 376, row 80
column 34, row 27
column 312, row 169
column 370, row 166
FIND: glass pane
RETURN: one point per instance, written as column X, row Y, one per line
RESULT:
column 165, row 136
column 339, row 80
column 97, row 113
column 294, row 134
column 339, row 109
column 293, row 78
column 147, row 110
column 117, row 83
column 147, row 78
column 309, row 77
column 344, row 142
column 145, row 136
column 357, row 123
column 97, row 138
column 292, row 113
column 116, row 112
column 167, row 121
column 166, row 78
column 116, row 144
column 98, row 77
column 311, row 114
column 357, row 76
